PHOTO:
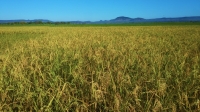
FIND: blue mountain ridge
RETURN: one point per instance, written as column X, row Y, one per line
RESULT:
column 123, row 19
column 120, row 19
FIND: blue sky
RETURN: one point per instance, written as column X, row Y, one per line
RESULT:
column 94, row 10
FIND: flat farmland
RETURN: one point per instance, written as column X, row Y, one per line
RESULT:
column 102, row 68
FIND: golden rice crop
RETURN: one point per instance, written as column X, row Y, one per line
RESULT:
column 138, row 68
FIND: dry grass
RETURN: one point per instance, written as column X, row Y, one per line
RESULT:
column 100, row 68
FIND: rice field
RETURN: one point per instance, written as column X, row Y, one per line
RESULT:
column 115, row 68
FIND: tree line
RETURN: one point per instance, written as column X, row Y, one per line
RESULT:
column 35, row 22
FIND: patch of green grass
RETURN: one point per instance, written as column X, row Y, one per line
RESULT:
column 10, row 37
column 106, row 24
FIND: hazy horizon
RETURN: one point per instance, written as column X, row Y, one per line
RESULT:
column 88, row 10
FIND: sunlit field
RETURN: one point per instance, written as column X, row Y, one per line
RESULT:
column 114, row 68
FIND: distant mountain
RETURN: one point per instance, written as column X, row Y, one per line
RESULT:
column 126, row 19
column 178, row 19
column 120, row 19
column 123, row 19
